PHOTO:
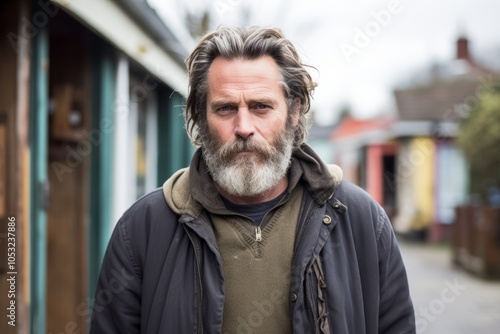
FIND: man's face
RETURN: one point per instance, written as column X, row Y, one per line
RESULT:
column 250, row 136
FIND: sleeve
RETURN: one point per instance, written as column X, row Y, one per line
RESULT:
column 396, row 314
column 117, row 303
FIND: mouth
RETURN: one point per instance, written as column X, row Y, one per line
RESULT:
column 245, row 154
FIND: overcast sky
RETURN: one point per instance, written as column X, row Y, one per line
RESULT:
column 363, row 49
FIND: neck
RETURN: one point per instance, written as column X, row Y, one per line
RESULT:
column 260, row 198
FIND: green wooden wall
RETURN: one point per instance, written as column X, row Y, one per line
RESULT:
column 103, row 103
column 174, row 147
column 39, row 106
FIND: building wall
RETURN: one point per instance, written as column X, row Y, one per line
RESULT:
column 374, row 172
column 451, row 181
column 414, row 179
column 405, row 194
column 12, row 154
column 58, row 113
column 432, row 179
column 379, row 172
column 422, row 155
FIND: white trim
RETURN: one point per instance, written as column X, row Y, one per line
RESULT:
column 131, row 154
column 121, row 175
column 151, row 141
column 108, row 19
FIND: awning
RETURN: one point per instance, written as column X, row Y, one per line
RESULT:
column 112, row 22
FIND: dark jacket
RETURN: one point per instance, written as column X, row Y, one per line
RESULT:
column 162, row 272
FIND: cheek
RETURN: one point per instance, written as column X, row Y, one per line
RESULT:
column 277, row 125
column 213, row 124
column 219, row 130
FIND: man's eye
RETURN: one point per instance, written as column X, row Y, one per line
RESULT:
column 224, row 109
column 261, row 106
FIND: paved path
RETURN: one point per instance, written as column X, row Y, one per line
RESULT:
column 447, row 299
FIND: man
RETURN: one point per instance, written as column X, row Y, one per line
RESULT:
column 258, row 235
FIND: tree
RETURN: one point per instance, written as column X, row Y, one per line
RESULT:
column 479, row 138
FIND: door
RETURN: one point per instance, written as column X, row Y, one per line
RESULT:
column 70, row 146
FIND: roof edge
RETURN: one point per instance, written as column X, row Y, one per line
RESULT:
column 141, row 12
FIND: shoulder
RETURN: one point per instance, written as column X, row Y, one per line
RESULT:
column 347, row 192
column 149, row 222
column 354, row 196
column 149, row 208
column 363, row 212
column 150, row 214
column 151, row 201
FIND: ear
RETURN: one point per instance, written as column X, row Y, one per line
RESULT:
column 296, row 111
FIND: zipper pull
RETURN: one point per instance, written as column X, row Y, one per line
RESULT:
column 258, row 234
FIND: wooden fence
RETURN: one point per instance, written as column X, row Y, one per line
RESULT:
column 476, row 240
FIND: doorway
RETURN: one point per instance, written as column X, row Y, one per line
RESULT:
column 69, row 151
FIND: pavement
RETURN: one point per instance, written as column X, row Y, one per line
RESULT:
column 447, row 299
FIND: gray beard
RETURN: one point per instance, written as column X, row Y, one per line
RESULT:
column 249, row 174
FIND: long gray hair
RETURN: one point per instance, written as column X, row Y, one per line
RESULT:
column 246, row 43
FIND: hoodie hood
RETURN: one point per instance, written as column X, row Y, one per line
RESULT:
column 191, row 189
column 177, row 194
column 320, row 179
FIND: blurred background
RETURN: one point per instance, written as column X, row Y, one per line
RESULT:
column 91, row 100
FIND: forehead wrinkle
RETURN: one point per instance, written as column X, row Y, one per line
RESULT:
column 234, row 80
column 231, row 93
column 246, row 97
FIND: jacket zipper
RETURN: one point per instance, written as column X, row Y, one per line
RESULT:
column 197, row 252
column 308, row 293
column 258, row 234
column 258, row 229
column 310, row 304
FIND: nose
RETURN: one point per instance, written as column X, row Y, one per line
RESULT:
column 244, row 126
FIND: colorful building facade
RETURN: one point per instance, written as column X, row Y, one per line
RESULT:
column 410, row 163
column 90, row 119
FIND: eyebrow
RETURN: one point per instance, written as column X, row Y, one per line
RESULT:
column 221, row 102
column 218, row 104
